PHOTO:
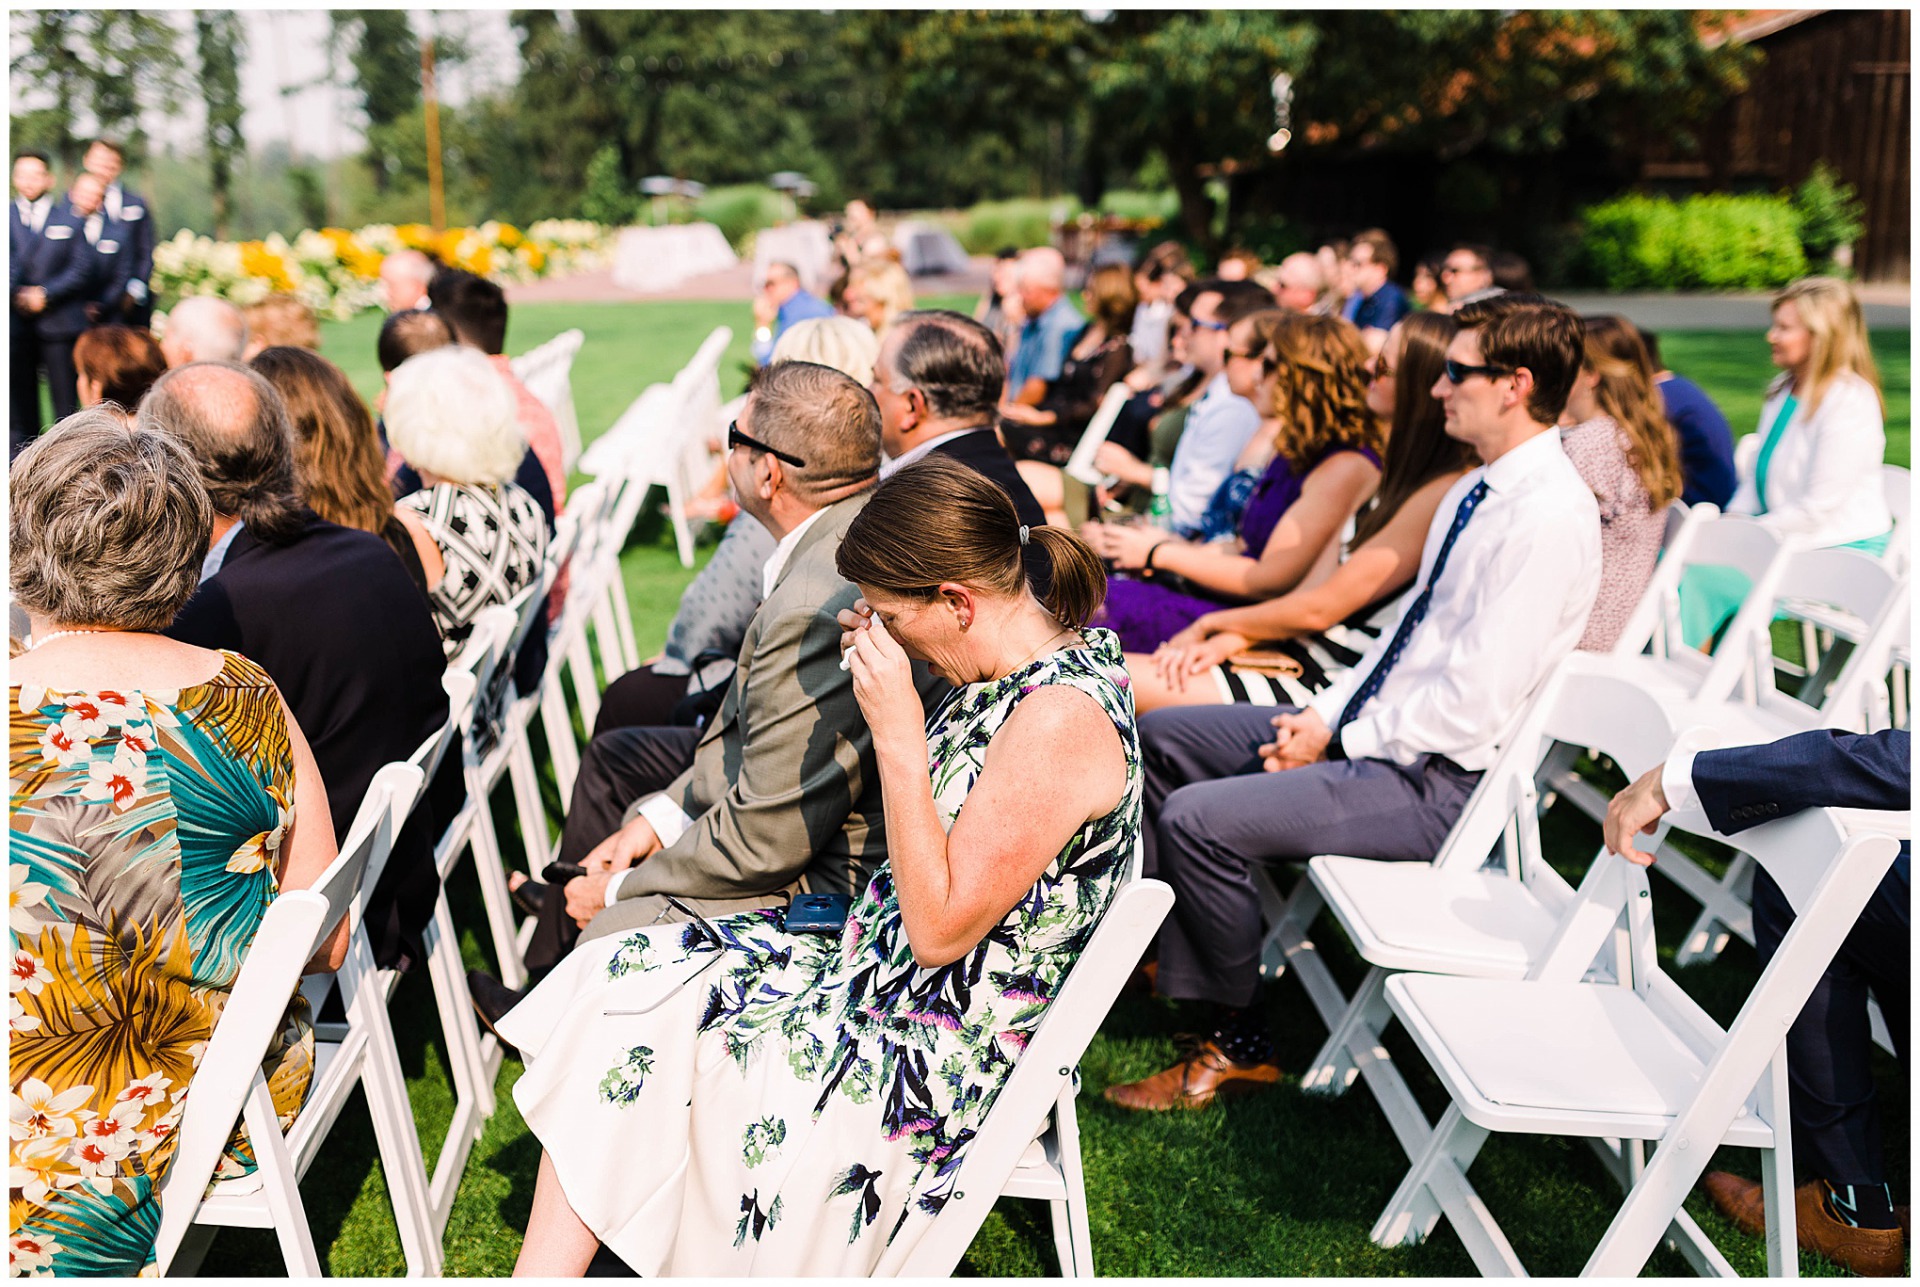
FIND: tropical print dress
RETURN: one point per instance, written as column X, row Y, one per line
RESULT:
column 726, row 1098
column 145, row 829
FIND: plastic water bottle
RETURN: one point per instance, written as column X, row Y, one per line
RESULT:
column 1160, row 512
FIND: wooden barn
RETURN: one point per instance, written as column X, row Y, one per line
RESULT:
column 1834, row 86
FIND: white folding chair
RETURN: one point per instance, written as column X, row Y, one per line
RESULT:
column 1897, row 484
column 229, row 1083
column 1080, row 464
column 1455, row 916
column 1635, row 1060
column 547, row 371
column 1029, row 1146
column 472, row 826
column 1861, row 595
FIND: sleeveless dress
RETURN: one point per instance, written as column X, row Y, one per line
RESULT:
column 144, row 831
column 1146, row 613
column 725, row 1098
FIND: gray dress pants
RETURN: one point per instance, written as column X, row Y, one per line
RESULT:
column 1213, row 813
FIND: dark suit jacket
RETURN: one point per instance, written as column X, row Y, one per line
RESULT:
column 334, row 618
column 1744, row 786
column 783, row 788
column 981, row 452
column 74, row 272
column 136, row 222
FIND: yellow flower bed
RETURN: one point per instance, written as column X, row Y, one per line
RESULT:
column 336, row 271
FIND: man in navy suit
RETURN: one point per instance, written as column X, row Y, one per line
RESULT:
column 134, row 303
column 1847, row 1213
column 78, row 267
column 33, row 203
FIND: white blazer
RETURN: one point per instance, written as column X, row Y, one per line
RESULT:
column 1824, row 480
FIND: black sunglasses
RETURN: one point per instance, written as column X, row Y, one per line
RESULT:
column 1460, row 372
column 737, row 439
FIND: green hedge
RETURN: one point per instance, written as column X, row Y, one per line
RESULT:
column 741, row 209
column 1702, row 243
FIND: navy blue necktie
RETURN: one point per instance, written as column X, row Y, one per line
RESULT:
column 1416, row 613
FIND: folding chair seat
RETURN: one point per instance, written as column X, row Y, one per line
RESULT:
column 1456, row 916
column 1636, row 1059
column 1029, row 1146
column 228, row 1082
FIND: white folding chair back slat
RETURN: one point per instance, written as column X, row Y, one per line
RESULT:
column 1634, row 1060
column 1897, row 484
column 1029, row 1145
column 1080, row 464
column 547, row 371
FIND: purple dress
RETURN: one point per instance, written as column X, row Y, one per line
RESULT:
column 1145, row 614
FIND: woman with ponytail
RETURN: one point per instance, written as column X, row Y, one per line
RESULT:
column 805, row 1105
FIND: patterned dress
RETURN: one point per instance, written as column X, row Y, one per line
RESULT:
column 803, row 1108
column 145, row 828
column 494, row 540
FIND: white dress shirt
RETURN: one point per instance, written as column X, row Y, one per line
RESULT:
column 1217, row 431
column 1511, row 602
column 1823, row 482
column 893, row 464
column 668, row 819
column 34, row 213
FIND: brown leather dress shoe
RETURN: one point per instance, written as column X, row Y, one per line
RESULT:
column 1871, row 1253
column 1194, row 1082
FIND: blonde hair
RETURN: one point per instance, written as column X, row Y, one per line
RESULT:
column 1627, row 395
column 1831, row 313
column 843, row 343
column 449, row 413
column 282, row 320
column 888, row 285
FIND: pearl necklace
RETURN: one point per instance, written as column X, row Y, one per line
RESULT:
column 85, row 630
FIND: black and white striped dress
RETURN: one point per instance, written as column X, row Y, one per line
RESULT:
column 1322, row 658
column 494, row 540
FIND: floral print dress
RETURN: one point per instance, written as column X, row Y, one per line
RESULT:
column 727, row 1098
column 144, row 831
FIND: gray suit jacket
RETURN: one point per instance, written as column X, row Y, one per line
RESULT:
column 783, row 790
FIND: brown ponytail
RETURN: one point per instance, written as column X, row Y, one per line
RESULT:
column 937, row 521
column 1079, row 584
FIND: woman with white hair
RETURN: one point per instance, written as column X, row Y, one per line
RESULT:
column 455, row 421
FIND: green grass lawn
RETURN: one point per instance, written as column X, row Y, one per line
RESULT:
column 1281, row 1184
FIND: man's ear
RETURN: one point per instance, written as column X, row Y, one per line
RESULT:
column 1523, row 385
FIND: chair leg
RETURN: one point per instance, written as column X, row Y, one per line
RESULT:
column 1333, row 1069
column 1723, row 913
column 279, row 1184
column 1776, row 1173
column 1437, row 1185
column 1072, row 1238
column 623, row 621
column 555, row 718
column 398, row 1139
column 458, row 1024
column 525, row 776
column 586, row 687
column 491, row 869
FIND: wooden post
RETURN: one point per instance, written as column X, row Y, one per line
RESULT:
column 436, row 196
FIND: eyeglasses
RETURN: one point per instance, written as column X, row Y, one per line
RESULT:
column 1447, row 270
column 737, row 439
column 1247, row 355
column 1460, row 372
column 1210, row 326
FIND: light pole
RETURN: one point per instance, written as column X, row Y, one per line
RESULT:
column 436, row 196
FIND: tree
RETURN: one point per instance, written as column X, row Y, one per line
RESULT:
column 116, row 63
column 384, row 53
column 221, row 44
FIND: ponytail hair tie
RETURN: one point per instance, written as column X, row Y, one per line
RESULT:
column 1023, row 533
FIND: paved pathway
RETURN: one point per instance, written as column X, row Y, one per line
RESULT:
column 1888, row 307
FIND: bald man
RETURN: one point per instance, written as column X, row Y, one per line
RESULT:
column 203, row 329
column 404, row 276
column 1052, row 323
column 1299, row 283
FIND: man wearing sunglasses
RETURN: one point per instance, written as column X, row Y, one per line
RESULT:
column 1382, row 763
column 779, row 791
